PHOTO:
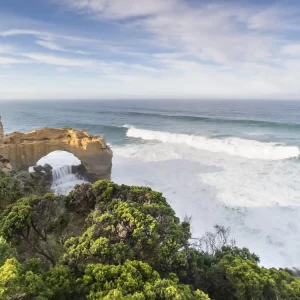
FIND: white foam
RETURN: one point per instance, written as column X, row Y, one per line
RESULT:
column 64, row 185
column 233, row 146
column 258, row 199
column 63, row 179
column 57, row 159
column 147, row 153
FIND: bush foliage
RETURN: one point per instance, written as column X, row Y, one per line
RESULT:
column 109, row 241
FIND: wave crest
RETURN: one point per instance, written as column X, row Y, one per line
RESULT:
column 249, row 149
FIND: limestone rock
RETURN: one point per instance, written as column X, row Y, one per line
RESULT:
column 23, row 176
column 3, row 160
column 25, row 149
column 34, row 183
column 80, row 170
column 47, row 168
column 38, row 169
column 1, row 129
column 5, row 166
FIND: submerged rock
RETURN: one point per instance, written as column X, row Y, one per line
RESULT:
column 38, row 169
column 47, row 168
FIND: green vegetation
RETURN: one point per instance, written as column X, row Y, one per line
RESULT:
column 109, row 241
column 10, row 190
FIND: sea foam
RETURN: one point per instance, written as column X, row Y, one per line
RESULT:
column 249, row 149
column 63, row 178
column 257, row 198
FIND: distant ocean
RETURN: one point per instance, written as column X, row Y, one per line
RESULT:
column 232, row 163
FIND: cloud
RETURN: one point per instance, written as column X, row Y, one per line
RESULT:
column 55, row 47
column 10, row 60
column 50, row 45
column 47, row 40
column 275, row 17
column 16, row 32
column 46, row 35
column 6, row 48
column 170, row 47
column 115, row 9
column 57, row 61
column 212, row 32
column 291, row 49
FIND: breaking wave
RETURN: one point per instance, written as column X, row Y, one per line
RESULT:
column 249, row 149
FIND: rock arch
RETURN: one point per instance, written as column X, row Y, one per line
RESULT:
column 25, row 149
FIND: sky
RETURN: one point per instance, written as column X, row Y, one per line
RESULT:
column 183, row 49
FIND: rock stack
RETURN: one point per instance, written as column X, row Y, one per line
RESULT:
column 1, row 130
column 5, row 166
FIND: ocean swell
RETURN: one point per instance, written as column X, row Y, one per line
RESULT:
column 215, row 120
column 249, row 149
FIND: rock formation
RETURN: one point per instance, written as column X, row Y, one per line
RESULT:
column 33, row 182
column 5, row 166
column 1, row 130
column 25, row 149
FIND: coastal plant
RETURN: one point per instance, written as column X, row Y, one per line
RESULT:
column 110, row 241
column 10, row 190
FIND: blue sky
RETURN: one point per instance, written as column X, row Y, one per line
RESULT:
column 103, row 49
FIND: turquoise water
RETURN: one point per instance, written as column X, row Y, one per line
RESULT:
column 232, row 163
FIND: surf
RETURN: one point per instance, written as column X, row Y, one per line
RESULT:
column 233, row 146
column 63, row 178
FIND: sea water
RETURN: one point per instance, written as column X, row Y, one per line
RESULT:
column 231, row 163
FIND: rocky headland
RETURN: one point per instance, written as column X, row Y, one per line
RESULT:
column 20, row 150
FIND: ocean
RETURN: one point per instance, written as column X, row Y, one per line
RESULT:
column 231, row 163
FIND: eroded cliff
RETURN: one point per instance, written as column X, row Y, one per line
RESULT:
column 25, row 149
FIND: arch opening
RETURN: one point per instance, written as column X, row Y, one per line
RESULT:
column 66, row 169
column 26, row 149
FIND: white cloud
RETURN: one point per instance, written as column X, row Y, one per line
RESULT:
column 46, row 35
column 50, row 45
column 275, row 17
column 266, row 19
column 9, row 61
column 291, row 49
column 115, row 9
column 16, row 32
column 211, row 32
column 202, row 49
column 54, row 41
column 5, row 48
column 57, row 61
column 55, row 47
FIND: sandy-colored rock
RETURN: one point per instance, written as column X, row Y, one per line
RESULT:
column 25, row 149
column 1, row 130
column 5, row 166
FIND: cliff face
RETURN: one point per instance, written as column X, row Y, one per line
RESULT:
column 25, row 149
column 1, row 130
column 5, row 166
